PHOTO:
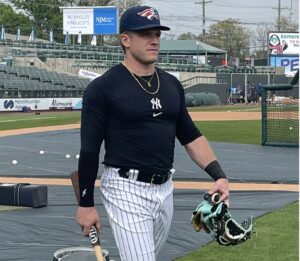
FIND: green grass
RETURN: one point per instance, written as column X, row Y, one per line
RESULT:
column 9, row 121
column 247, row 132
column 276, row 240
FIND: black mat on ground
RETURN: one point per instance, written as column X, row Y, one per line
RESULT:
column 242, row 163
column 35, row 234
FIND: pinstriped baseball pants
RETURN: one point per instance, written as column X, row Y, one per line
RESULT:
column 140, row 214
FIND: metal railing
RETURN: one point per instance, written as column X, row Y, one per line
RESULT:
column 202, row 79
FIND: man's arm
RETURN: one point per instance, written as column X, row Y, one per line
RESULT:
column 202, row 154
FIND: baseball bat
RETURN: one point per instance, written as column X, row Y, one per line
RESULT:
column 93, row 234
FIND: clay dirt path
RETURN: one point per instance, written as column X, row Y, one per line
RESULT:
column 225, row 116
column 197, row 116
column 177, row 184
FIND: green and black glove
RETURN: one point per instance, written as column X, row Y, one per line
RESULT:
column 213, row 217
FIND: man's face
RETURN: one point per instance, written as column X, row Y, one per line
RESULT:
column 143, row 45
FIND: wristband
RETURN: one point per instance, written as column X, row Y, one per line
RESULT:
column 214, row 170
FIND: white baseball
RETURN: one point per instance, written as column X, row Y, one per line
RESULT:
column 14, row 162
column 68, row 156
column 42, row 152
column 290, row 128
column 77, row 156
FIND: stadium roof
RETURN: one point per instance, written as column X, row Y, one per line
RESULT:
column 188, row 47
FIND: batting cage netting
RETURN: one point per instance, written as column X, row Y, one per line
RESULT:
column 280, row 115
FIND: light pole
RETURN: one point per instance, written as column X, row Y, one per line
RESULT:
column 197, row 43
column 203, row 15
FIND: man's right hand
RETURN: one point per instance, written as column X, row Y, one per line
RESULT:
column 87, row 217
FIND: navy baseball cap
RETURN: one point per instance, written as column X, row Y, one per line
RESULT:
column 140, row 18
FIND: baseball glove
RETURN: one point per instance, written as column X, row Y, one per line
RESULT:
column 213, row 217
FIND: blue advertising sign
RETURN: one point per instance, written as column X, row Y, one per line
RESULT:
column 106, row 20
column 290, row 63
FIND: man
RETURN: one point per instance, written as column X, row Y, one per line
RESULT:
column 138, row 110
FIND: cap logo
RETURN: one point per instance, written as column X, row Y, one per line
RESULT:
column 149, row 13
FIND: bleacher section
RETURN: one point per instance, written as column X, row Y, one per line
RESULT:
column 103, row 57
column 31, row 82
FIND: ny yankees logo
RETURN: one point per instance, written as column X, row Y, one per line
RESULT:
column 155, row 104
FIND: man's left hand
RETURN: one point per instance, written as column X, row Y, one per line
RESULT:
column 221, row 186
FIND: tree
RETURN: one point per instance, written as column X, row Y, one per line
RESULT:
column 286, row 25
column 260, row 39
column 95, row 2
column 10, row 20
column 45, row 15
column 230, row 36
column 188, row 36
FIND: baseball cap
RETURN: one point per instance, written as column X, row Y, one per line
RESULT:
column 140, row 18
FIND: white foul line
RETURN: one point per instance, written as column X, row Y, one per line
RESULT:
column 40, row 118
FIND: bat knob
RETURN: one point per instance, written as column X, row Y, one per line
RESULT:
column 213, row 199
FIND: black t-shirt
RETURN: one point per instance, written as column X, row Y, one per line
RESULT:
column 138, row 128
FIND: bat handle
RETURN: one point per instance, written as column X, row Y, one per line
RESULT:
column 94, row 237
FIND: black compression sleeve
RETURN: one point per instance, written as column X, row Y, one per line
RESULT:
column 214, row 170
column 87, row 170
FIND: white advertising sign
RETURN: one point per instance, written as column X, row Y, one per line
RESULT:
column 90, row 20
column 43, row 104
column 22, row 104
column 78, row 20
column 88, row 74
column 283, row 43
column 60, row 103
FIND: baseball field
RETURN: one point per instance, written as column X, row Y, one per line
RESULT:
column 277, row 233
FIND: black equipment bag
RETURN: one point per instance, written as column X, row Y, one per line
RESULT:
column 23, row 194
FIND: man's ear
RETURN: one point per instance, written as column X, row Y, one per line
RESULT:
column 124, row 40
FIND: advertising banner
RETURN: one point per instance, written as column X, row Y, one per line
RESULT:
column 90, row 21
column 42, row 104
column 24, row 104
column 290, row 63
column 76, row 103
column 65, row 103
column 88, row 74
column 283, row 43
column 60, row 103
column 106, row 20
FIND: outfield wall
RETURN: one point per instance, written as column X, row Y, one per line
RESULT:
column 40, row 104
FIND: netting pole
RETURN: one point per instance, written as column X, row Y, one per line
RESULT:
column 264, row 116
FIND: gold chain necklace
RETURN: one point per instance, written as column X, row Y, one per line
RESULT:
column 158, row 82
column 148, row 82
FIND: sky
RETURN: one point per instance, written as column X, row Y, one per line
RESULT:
column 186, row 16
